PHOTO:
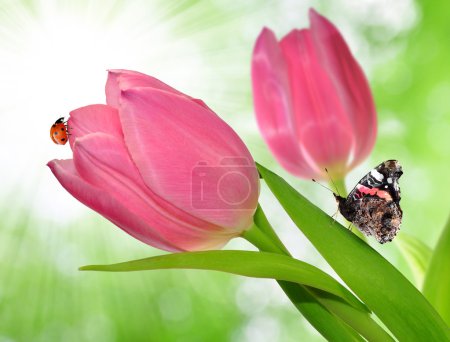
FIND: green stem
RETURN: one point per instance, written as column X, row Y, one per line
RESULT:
column 260, row 240
column 304, row 297
column 264, row 235
column 340, row 188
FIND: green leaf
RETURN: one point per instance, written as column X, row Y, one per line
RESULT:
column 318, row 307
column 437, row 280
column 314, row 310
column 416, row 253
column 401, row 307
column 360, row 321
column 263, row 236
column 246, row 263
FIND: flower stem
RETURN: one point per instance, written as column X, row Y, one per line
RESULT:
column 263, row 227
column 261, row 241
column 339, row 187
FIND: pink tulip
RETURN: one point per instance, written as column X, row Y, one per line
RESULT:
column 312, row 101
column 160, row 165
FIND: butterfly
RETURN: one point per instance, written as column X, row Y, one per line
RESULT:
column 373, row 206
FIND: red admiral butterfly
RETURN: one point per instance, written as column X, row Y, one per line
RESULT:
column 373, row 206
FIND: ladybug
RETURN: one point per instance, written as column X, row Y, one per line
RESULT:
column 58, row 132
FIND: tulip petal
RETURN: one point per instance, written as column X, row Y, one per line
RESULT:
column 97, row 199
column 349, row 80
column 169, row 136
column 273, row 106
column 103, row 161
column 120, row 80
column 323, row 128
column 92, row 119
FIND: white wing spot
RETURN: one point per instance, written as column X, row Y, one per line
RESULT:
column 375, row 174
column 389, row 180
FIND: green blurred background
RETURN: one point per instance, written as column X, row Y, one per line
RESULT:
column 53, row 57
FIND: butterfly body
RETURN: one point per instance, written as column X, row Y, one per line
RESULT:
column 373, row 206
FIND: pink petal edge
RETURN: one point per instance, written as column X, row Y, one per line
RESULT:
column 114, row 211
column 121, row 80
column 350, row 81
column 273, row 106
column 92, row 119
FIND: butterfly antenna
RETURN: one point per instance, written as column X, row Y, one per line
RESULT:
column 332, row 182
column 323, row 186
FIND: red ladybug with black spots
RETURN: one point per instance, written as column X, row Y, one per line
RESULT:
column 58, row 132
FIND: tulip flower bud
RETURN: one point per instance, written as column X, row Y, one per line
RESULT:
column 160, row 165
column 312, row 101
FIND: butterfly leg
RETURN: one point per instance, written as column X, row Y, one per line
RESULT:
column 334, row 217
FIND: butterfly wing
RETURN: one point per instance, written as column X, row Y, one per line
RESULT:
column 373, row 205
